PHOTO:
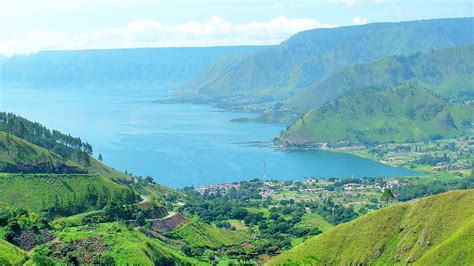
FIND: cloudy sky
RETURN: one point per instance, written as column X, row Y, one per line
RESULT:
column 28, row 26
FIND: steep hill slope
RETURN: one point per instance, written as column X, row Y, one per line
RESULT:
column 20, row 156
column 448, row 72
column 113, row 68
column 421, row 232
column 199, row 234
column 10, row 254
column 122, row 245
column 406, row 113
column 308, row 57
column 73, row 193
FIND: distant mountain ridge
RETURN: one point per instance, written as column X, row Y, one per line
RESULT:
column 278, row 72
column 448, row 72
column 112, row 68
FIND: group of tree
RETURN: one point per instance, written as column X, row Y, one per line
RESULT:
column 93, row 198
column 406, row 193
column 62, row 144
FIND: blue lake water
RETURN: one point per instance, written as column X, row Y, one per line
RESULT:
column 178, row 144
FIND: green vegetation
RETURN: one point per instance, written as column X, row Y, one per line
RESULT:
column 113, row 241
column 69, row 193
column 418, row 232
column 65, row 145
column 10, row 254
column 199, row 234
column 18, row 155
column 256, row 208
column 407, row 113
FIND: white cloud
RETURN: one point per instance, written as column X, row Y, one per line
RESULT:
column 150, row 33
column 359, row 20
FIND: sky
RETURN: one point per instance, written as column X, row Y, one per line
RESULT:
column 28, row 26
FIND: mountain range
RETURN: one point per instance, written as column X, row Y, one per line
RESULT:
column 155, row 68
column 278, row 72
column 447, row 72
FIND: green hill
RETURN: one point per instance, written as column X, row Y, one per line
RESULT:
column 199, row 234
column 10, row 254
column 36, row 179
column 72, row 192
column 20, row 156
column 435, row 230
column 448, row 72
column 308, row 57
column 406, row 113
column 109, row 242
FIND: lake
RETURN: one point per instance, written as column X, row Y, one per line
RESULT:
column 178, row 144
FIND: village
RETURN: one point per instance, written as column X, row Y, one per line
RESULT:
column 349, row 191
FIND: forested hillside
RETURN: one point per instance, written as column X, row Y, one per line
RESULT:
column 306, row 58
column 433, row 230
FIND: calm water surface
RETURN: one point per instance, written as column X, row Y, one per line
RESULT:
column 178, row 144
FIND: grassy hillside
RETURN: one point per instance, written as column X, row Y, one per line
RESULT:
column 308, row 57
column 437, row 229
column 18, row 155
column 406, row 113
column 98, row 167
column 199, row 234
column 37, row 192
column 10, row 254
column 448, row 72
column 115, row 241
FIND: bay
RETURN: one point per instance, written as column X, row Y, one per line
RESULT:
column 178, row 144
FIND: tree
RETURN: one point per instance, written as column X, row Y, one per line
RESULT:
column 100, row 157
column 387, row 195
column 23, row 131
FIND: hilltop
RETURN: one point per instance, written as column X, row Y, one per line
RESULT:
column 434, row 230
column 406, row 113
column 278, row 72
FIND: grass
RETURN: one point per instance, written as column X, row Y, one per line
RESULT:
column 11, row 255
column 406, row 113
column 128, row 246
column 419, row 232
column 237, row 224
column 199, row 234
column 313, row 219
column 18, row 155
column 36, row 192
column 73, row 220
